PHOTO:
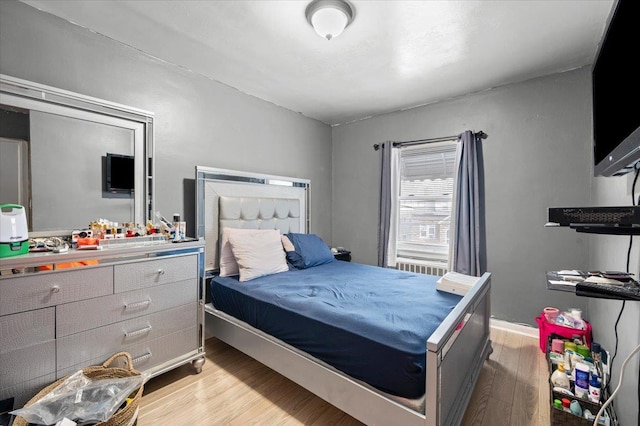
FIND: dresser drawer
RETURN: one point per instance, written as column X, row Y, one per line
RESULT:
column 149, row 273
column 18, row 294
column 104, row 341
column 166, row 348
column 151, row 354
column 88, row 314
column 24, row 391
column 27, row 363
column 26, row 329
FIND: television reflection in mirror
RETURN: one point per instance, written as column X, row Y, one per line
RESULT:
column 119, row 175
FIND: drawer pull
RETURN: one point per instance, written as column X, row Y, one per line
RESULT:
column 135, row 333
column 160, row 271
column 142, row 357
column 55, row 289
column 137, row 304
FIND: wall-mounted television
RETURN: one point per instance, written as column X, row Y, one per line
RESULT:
column 616, row 93
column 119, row 177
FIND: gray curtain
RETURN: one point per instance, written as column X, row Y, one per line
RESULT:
column 469, row 254
column 385, row 203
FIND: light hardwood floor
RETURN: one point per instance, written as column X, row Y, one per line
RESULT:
column 234, row 389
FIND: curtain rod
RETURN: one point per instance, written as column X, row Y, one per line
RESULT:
column 480, row 134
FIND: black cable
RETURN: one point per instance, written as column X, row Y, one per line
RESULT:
column 615, row 329
column 633, row 195
column 633, row 188
column 615, row 352
column 633, row 202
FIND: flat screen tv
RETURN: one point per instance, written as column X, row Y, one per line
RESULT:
column 120, row 173
column 616, row 93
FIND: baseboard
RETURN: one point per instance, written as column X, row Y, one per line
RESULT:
column 524, row 329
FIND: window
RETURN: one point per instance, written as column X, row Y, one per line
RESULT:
column 425, row 199
column 427, row 232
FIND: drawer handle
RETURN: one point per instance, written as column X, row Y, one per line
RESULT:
column 160, row 271
column 137, row 304
column 135, row 333
column 55, row 289
column 142, row 357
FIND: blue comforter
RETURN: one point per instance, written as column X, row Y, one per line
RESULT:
column 371, row 323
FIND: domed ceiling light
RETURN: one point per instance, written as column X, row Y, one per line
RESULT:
column 329, row 17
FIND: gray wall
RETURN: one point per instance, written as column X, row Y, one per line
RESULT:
column 537, row 155
column 610, row 253
column 78, row 174
column 198, row 121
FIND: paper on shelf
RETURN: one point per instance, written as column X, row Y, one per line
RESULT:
column 456, row 283
column 569, row 272
column 563, row 282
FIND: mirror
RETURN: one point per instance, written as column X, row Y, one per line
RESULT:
column 54, row 147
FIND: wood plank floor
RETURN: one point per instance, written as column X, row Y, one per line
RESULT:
column 234, row 389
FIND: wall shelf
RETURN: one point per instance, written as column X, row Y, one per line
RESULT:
column 607, row 229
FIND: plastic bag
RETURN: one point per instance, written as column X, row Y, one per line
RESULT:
column 76, row 381
column 568, row 320
column 81, row 399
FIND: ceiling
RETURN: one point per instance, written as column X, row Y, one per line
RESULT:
column 395, row 55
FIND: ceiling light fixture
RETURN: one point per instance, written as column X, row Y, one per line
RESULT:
column 329, row 17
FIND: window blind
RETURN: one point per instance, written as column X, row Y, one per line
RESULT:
column 427, row 175
column 428, row 162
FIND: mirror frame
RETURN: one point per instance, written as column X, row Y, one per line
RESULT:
column 35, row 93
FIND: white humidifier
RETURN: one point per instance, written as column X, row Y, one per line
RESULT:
column 14, row 234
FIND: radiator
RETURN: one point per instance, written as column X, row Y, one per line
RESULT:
column 421, row 268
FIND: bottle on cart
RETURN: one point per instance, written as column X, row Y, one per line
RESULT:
column 594, row 389
column 559, row 378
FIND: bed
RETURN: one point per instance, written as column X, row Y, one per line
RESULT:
column 426, row 379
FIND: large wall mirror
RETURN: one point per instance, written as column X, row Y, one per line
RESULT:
column 70, row 159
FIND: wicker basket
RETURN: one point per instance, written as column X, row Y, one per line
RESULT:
column 562, row 418
column 127, row 416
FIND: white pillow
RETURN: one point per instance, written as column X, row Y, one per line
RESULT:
column 287, row 245
column 258, row 254
column 228, row 264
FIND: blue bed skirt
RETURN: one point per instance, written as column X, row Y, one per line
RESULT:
column 368, row 322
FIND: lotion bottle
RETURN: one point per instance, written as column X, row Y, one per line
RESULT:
column 582, row 380
column 594, row 389
column 559, row 378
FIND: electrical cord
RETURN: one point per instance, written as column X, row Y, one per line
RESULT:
column 633, row 202
column 615, row 328
column 608, row 401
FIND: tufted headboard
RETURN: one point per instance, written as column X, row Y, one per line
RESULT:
column 228, row 198
column 259, row 213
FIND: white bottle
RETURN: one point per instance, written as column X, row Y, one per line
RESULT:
column 559, row 378
column 594, row 389
column 582, row 380
column 176, row 227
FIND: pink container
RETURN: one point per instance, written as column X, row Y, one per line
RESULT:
column 547, row 328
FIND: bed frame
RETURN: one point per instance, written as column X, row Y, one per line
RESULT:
column 455, row 354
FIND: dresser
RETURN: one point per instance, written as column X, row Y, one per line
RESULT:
column 62, row 312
